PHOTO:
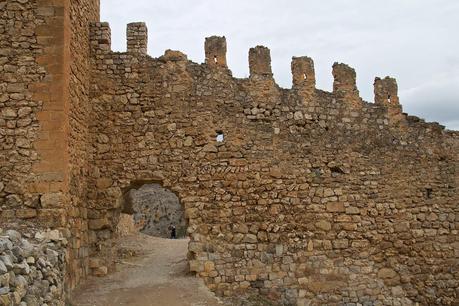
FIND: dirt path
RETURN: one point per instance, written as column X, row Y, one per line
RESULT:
column 158, row 277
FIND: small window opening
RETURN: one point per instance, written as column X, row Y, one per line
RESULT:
column 305, row 77
column 220, row 137
column 429, row 193
column 388, row 98
column 215, row 59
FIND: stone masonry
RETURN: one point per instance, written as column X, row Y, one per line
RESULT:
column 32, row 268
column 311, row 198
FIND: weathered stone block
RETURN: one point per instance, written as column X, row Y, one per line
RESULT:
column 323, row 225
column 97, row 224
column 26, row 213
column 103, row 183
column 335, row 207
column 52, row 200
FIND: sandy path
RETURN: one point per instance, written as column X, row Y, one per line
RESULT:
column 158, row 277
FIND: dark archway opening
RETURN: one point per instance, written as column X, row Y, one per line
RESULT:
column 156, row 211
column 151, row 267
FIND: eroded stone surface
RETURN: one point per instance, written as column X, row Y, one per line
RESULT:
column 32, row 271
column 311, row 198
column 307, row 185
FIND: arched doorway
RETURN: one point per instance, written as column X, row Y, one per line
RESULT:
column 150, row 208
column 156, row 211
column 151, row 268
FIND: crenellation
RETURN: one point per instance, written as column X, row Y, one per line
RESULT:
column 344, row 83
column 386, row 91
column 137, row 37
column 215, row 51
column 304, row 78
column 173, row 56
column 260, row 63
column 307, row 203
column 100, row 37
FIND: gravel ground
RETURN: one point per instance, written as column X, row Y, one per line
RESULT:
column 156, row 276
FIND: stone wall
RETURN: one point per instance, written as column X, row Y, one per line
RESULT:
column 32, row 268
column 81, row 13
column 30, row 125
column 312, row 197
column 44, row 101
column 33, row 159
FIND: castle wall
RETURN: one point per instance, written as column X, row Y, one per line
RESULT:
column 312, row 197
column 44, row 102
column 34, row 107
column 34, row 91
column 82, row 12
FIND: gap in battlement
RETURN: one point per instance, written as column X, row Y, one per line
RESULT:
column 237, row 54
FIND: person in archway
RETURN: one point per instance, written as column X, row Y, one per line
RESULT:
column 173, row 232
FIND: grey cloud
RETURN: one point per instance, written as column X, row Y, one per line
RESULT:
column 437, row 99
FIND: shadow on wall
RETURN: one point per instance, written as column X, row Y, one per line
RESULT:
column 156, row 210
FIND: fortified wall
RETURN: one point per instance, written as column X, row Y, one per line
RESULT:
column 312, row 197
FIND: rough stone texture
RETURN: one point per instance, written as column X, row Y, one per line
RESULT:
column 304, row 78
column 32, row 268
column 156, row 209
column 137, row 37
column 311, row 198
column 81, row 13
column 44, row 90
column 344, row 84
column 126, row 226
column 260, row 62
column 308, row 197
column 215, row 51
column 386, row 91
column 20, row 72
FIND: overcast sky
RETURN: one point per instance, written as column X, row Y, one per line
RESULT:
column 415, row 41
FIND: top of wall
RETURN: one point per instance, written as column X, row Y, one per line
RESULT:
column 345, row 90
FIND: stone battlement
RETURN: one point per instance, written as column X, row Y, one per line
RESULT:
column 305, row 196
column 259, row 62
column 303, row 73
